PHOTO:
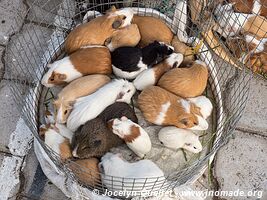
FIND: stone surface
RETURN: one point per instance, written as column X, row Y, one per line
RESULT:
column 254, row 118
column 2, row 68
column 11, row 18
column 24, row 53
column 9, row 115
column 241, row 164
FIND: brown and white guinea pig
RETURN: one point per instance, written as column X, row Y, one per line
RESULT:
column 161, row 107
column 204, row 104
column 95, row 138
column 86, row 171
column 152, row 29
column 96, row 31
column 52, row 138
column 89, row 107
column 232, row 23
column 257, row 59
column 250, row 6
column 186, row 82
column 85, row 61
column 133, row 135
column 151, row 76
column 78, row 88
column 180, row 47
column 128, row 62
column 176, row 138
column 128, row 36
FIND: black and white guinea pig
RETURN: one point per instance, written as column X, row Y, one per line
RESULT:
column 128, row 62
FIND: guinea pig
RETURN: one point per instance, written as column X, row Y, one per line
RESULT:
column 204, row 104
column 186, row 82
column 95, row 138
column 250, row 6
column 52, row 138
column 161, row 107
column 143, row 175
column 134, row 135
column 128, row 36
column 89, row 107
column 86, row 171
column 96, row 31
column 128, row 62
column 78, row 88
column 232, row 23
column 152, row 29
column 87, row 60
column 177, row 138
column 151, row 76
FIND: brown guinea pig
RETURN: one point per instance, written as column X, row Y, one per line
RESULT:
column 95, row 138
column 152, row 29
column 186, row 82
column 97, row 30
column 85, row 61
column 128, row 36
column 86, row 171
column 164, row 108
column 250, row 6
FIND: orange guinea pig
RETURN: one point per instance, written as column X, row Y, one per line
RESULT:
column 186, row 82
column 164, row 108
column 152, row 29
column 96, row 31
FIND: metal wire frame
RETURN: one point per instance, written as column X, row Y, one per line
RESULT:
column 27, row 55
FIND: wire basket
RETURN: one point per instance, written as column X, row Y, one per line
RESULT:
column 41, row 39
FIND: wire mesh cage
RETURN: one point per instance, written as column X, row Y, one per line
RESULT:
column 228, row 36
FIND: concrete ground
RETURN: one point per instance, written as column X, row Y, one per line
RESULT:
column 239, row 165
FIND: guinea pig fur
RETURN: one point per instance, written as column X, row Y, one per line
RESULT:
column 89, row 107
column 87, row 60
column 86, row 171
column 112, row 165
column 128, row 36
column 53, row 139
column 232, row 23
column 128, row 62
column 204, row 104
column 250, row 6
column 94, row 138
column 161, row 107
column 186, row 82
column 78, row 88
column 134, row 135
column 96, row 31
column 152, row 29
column 151, row 76
column 176, row 138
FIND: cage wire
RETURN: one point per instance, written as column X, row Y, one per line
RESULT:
column 198, row 23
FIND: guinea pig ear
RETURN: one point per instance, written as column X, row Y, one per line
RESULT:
column 42, row 130
column 107, row 41
column 184, row 121
column 112, row 9
column 60, row 77
column 117, row 23
column 123, row 118
column 120, row 95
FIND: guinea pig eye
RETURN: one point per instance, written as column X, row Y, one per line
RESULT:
column 52, row 79
column 195, row 148
column 195, row 123
column 66, row 111
column 124, row 17
column 97, row 143
column 128, row 91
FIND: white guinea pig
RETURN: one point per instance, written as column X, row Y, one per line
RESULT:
column 134, row 135
column 120, row 175
column 89, row 107
column 177, row 138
